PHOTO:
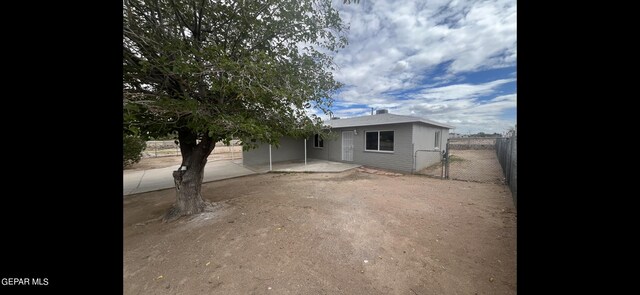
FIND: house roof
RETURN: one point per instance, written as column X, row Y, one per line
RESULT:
column 380, row 119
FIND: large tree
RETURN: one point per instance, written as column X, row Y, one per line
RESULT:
column 211, row 71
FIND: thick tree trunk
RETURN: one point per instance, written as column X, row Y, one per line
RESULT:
column 188, row 178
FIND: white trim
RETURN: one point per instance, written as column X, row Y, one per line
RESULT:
column 378, row 150
column 270, row 165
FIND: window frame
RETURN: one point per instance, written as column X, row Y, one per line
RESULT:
column 318, row 142
column 437, row 140
column 378, row 150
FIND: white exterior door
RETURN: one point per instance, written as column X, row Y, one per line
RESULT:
column 347, row 145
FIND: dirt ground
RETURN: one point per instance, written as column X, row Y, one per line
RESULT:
column 167, row 148
column 166, row 161
column 472, row 141
column 336, row 233
column 475, row 165
column 470, row 165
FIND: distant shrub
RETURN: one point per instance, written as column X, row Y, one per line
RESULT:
column 132, row 147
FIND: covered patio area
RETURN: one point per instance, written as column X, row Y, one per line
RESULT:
column 290, row 156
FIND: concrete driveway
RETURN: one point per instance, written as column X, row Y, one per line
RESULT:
column 135, row 182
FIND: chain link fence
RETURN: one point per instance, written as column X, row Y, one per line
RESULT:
column 477, row 159
column 168, row 148
column 473, row 159
column 507, row 153
column 436, row 169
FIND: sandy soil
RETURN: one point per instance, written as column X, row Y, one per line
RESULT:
column 434, row 170
column 470, row 165
column 162, row 162
column 341, row 233
column 476, row 165
column 472, row 141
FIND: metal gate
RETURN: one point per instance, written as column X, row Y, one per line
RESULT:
column 473, row 159
column 347, row 145
column 429, row 163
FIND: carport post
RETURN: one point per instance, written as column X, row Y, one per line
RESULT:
column 305, row 152
column 270, row 167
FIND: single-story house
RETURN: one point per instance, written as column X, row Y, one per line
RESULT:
column 395, row 142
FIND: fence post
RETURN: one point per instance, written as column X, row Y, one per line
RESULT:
column 232, row 145
column 447, row 156
column 442, row 162
column 155, row 148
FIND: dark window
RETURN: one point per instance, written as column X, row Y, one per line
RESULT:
column 317, row 141
column 379, row 141
column 386, row 140
column 372, row 141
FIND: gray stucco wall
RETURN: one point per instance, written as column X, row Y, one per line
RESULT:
column 318, row 153
column 424, row 139
column 408, row 138
column 332, row 150
column 257, row 156
column 401, row 159
column 426, row 159
column 445, row 133
column 290, row 149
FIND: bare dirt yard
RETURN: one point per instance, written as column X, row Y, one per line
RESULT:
column 470, row 165
column 475, row 165
column 473, row 141
column 153, row 163
column 167, row 161
column 336, row 233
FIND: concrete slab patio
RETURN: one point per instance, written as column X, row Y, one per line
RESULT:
column 141, row 181
column 313, row 165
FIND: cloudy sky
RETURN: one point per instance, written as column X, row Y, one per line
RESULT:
column 448, row 61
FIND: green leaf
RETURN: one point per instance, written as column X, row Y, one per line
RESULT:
column 228, row 69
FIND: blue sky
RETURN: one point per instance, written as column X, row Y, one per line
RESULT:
column 448, row 61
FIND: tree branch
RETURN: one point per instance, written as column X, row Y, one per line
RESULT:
column 181, row 17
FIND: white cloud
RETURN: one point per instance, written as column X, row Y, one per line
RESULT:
column 403, row 45
column 461, row 91
column 471, row 116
